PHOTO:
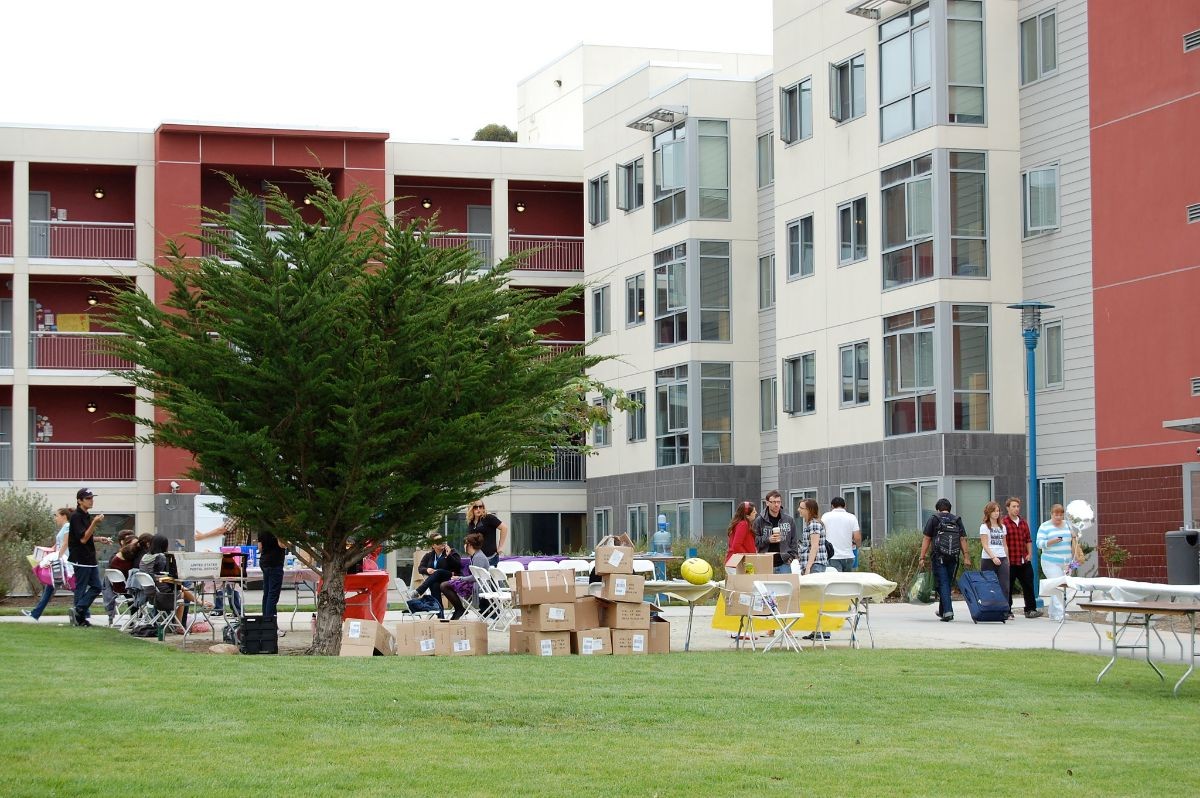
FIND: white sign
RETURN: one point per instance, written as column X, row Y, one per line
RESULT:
column 355, row 630
column 619, row 587
column 547, row 648
column 615, row 558
column 427, row 645
column 639, row 643
column 557, row 614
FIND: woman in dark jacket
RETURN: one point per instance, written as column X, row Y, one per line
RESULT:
column 439, row 565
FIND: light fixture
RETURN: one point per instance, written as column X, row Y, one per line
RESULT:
column 307, row 200
column 93, row 299
column 91, row 407
column 520, row 207
column 427, row 203
column 98, row 192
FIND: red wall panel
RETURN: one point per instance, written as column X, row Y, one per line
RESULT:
column 302, row 153
column 449, row 203
column 66, row 407
column 236, row 150
column 72, row 189
column 1139, row 506
column 6, row 175
column 547, row 213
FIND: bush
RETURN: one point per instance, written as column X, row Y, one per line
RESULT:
column 26, row 520
column 896, row 559
column 711, row 549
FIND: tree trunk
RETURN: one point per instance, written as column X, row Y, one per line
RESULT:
column 331, row 603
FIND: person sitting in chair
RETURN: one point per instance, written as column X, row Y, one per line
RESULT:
column 155, row 563
column 438, row 566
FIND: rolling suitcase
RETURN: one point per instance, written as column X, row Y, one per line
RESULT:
column 985, row 599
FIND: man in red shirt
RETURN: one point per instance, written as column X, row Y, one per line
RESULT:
column 1019, row 553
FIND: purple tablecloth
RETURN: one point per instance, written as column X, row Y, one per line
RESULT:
column 542, row 558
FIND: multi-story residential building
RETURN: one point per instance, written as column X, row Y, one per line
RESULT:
column 800, row 264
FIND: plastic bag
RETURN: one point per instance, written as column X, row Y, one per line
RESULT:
column 923, row 590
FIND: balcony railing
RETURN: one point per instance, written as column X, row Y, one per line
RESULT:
column 6, row 339
column 480, row 242
column 82, row 462
column 568, row 466
column 73, row 350
column 98, row 240
column 549, row 253
column 557, row 347
column 6, row 462
column 5, row 238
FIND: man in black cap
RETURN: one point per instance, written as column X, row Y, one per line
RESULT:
column 81, row 548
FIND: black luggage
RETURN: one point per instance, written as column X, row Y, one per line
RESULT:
column 984, row 597
column 257, row 635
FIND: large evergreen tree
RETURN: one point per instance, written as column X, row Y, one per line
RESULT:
column 344, row 384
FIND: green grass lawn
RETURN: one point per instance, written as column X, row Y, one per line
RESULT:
column 93, row 712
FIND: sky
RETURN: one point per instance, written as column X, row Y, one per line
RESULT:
column 429, row 71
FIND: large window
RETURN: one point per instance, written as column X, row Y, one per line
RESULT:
column 670, row 176
column 716, row 413
column 715, row 517
column 909, row 386
column 630, row 189
column 905, row 74
column 670, row 295
column 858, row 504
column 795, row 112
column 908, row 222
column 635, row 419
column 635, row 300
column 964, row 57
column 852, row 230
column 671, row 415
column 601, row 429
column 848, row 88
column 1039, row 53
column 766, row 159
column 715, row 291
column 972, row 381
column 766, row 282
column 598, row 200
column 768, row 410
column 679, row 518
column 910, row 505
column 968, row 214
column 1049, row 356
column 600, row 307
column 797, row 496
column 1050, row 493
column 800, row 384
column 714, row 168
column 800, row 255
column 970, row 497
column 602, row 518
column 854, row 360
column 1039, row 200
column 638, row 526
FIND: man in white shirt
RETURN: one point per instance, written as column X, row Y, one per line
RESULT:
column 843, row 532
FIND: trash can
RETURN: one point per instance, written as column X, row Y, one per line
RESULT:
column 1183, row 557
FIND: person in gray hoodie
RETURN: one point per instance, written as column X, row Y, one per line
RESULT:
column 775, row 533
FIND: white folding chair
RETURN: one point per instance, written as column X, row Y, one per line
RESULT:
column 772, row 594
column 503, row 599
column 510, row 567
column 406, row 594
column 124, row 602
column 837, row 594
column 644, row 568
column 543, row 565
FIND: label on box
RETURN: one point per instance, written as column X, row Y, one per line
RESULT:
column 355, row 630
column 597, row 643
column 461, row 646
column 745, row 599
column 639, row 643
column 556, row 614
column 547, row 647
column 427, row 645
column 615, row 558
column 586, row 645
column 620, row 587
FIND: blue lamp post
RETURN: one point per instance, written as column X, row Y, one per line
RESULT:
column 1031, row 330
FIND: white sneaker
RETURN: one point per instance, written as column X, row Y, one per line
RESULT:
column 28, row 614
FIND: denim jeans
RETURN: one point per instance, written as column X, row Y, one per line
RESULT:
column 943, row 572
column 272, row 584
column 87, row 588
column 786, row 568
column 47, row 594
column 235, row 599
column 845, row 564
column 433, row 585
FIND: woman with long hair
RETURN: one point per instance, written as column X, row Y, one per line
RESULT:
column 813, row 556
column 493, row 530
column 994, row 557
column 741, row 531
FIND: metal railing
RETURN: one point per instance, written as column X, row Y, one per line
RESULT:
column 549, row 253
column 101, row 240
column 480, row 242
column 557, row 347
column 6, row 341
column 73, row 350
column 6, row 462
column 568, row 466
column 6, row 238
column 82, row 462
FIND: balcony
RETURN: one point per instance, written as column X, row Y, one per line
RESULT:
column 82, row 240
column 6, row 339
column 82, row 462
column 568, row 466
column 549, row 253
column 6, row 238
column 6, row 462
column 480, row 242
column 72, row 350
column 557, row 347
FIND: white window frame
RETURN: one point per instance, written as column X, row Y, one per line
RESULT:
column 637, row 519
column 806, row 362
column 918, row 485
column 917, row 392
column 957, row 391
column 765, row 159
column 855, row 507
column 631, row 185
column 766, row 281
column 795, row 110
column 1039, row 22
column 925, row 26
column 601, row 432
column 635, row 418
column 635, row 289
column 1028, row 228
column 671, row 265
column 602, row 519
column 1044, row 505
column 858, row 230
column 856, row 376
column 601, row 306
column 795, row 252
column 951, row 85
column 598, row 200
column 842, row 109
column 768, row 404
column 796, row 496
column 1045, row 352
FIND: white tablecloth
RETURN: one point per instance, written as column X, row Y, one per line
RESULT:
column 1119, row 589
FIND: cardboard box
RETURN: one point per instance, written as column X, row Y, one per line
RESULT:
column 548, row 644
column 589, row 613
column 591, row 642
column 630, row 641
column 556, row 617
column 518, row 642
column 660, row 635
column 623, row 615
column 751, row 564
column 623, row 587
column 744, row 600
column 545, row 587
column 460, row 638
column 414, row 638
column 366, row 638
column 614, row 559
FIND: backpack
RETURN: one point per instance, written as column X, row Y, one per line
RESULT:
column 946, row 539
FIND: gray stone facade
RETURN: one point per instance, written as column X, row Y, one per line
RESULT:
column 680, row 483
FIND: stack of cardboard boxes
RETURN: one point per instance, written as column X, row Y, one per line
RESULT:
column 414, row 638
column 556, row 621
column 741, row 572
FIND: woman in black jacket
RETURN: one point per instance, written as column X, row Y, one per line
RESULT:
column 439, row 565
